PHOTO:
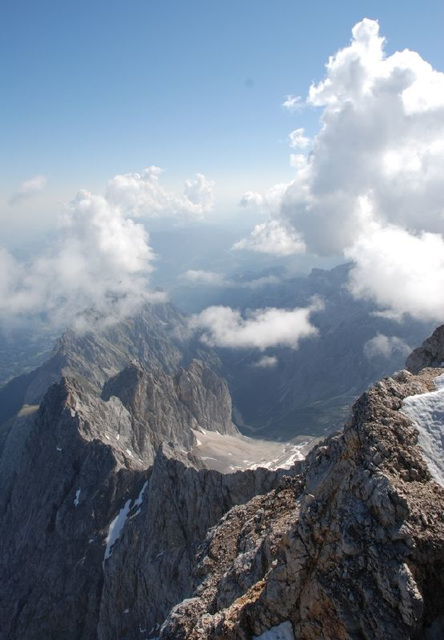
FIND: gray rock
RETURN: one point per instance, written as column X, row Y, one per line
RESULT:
column 354, row 550
column 430, row 354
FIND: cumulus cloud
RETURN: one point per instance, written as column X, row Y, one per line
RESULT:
column 272, row 237
column 143, row 194
column 97, row 267
column 293, row 103
column 206, row 278
column 259, row 329
column 266, row 362
column 269, row 200
column 373, row 174
column 98, row 264
column 28, row 189
column 298, row 139
column 385, row 346
column 400, row 271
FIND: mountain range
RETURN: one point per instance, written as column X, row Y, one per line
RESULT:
column 131, row 505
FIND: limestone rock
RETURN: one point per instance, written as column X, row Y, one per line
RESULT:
column 430, row 354
column 355, row 549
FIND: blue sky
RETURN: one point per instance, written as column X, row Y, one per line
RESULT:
column 96, row 88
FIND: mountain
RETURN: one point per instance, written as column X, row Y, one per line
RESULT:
column 310, row 389
column 131, row 506
column 351, row 547
column 100, row 520
column 307, row 392
column 121, row 457
column 157, row 337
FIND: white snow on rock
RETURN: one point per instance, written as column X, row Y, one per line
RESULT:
column 228, row 453
column 138, row 501
column 283, row 631
column 77, row 498
column 115, row 528
column 427, row 412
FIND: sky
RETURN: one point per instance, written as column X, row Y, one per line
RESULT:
column 117, row 115
column 95, row 89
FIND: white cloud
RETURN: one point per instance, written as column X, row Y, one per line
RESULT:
column 200, row 277
column 385, row 346
column 272, row 237
column 252, row 198
column 206, row 278
column 257, row 283
column 266, row 362
column 400, row 271
column 374, row 173
column 260, row 329
column 143, row 194
column 293, row 103
column 270, row 200
column 298, row 139
column 96, row 267
column 200, row 194
column 29, row 188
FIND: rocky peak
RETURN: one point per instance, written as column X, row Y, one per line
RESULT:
column 430, row 354
column 352, row 548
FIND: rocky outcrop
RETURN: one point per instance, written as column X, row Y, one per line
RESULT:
column 352, row 548
column 157, row 337
column 150, row 570
column 97, row 542
column 429, row 354
column 166, row 408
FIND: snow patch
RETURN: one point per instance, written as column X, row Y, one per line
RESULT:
column 282, row 631
column 138, row 501
column 427, row 412
column 129, row 453
column 116, row 528
column 73, row 413
column 59, row 449
column 117, row 525
column 77, row 498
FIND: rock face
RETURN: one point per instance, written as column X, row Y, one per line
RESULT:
column 352, row 548
column 166, row 408
column 429, row 354
column 157, row 337
column 97, row 541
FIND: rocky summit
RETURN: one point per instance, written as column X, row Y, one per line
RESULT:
column 120, row 518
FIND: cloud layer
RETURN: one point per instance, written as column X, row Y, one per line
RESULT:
column 373, row 174
column 260, row 329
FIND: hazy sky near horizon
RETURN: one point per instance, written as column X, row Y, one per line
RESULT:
column 95, row 89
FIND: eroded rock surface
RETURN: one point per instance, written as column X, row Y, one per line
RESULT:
column 97, row 541
column 352, row 548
